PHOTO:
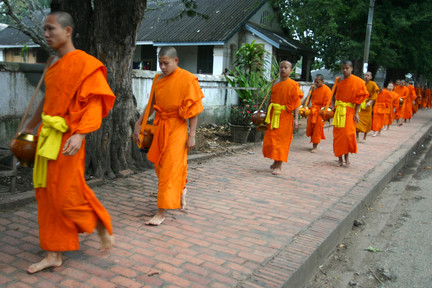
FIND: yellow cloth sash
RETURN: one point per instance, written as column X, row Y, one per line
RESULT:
column 277, row 110
column 340, row 113
column 363, row 105
column 48, row 146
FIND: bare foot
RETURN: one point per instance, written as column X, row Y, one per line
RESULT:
column 273, row 165
column 277, row 171
column 183, row 199
column 314, row 150
column 340, row 161
column 107, row 240
column 347, row 162
column 157, row 219
column 53, row 259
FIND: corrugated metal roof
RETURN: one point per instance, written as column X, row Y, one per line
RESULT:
column 11, row 37
column 279, row 41
column 226, row 17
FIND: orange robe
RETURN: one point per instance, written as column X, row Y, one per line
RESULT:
column 417, row 101
column 315, row 124
column 404, row 93
column 381, row 109
column 77, row 90
column 277, row 141
column 408, row 112
column 177, row 97
column 349, row 90
column 365, row 115
column 389, row 118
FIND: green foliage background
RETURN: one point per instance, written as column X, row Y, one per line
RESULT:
column 401, row 32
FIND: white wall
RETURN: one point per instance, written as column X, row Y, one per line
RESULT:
column 266, row 17
column 15, row 91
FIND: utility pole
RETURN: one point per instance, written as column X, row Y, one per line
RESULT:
column 368, row 36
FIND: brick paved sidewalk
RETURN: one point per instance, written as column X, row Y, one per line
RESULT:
column 243, row 226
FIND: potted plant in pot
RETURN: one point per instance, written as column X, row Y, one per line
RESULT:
column 249, row 75
column 240, row 123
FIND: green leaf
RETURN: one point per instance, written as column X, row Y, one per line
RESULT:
column 372, row 249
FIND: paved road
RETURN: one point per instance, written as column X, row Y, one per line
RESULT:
column 243, row 227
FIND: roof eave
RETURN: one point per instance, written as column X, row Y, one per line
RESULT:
column 209, row 43
column 19, row 46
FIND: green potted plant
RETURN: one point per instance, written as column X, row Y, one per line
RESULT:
column 249, row 76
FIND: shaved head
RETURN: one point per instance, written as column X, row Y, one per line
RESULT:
column 348, row 62
column 170, row 52
column 64, row 18
column 286, row 61
column 320, row 77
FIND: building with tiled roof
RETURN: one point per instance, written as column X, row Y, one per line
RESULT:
column 206, row 43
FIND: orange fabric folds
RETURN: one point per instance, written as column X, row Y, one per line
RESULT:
column 382, row 108
column 349, row 90
column 277, row 141
column 76, row 89
column 365, row 115
column 404, row 93
column 178, row 97
column 315, row 124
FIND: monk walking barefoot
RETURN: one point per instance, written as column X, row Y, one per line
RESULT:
column 315, row 124
column 107, row 240
column 365, row 113
column 183, row 199
column 350, row 93
column 53, row 259
column 177, row 100
column 157, row 219
column 285, row 99
column 66, row 205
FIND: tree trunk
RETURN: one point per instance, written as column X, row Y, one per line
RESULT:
column 107, row 30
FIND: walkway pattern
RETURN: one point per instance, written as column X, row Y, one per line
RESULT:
column 243, row 226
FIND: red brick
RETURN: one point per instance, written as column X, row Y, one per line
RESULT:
column 73, row 284
column 168, row 268
column 175, row 280
column 100, row 283
column 4, row 280
column 127, row 272
column 18, row 285
column 74, row 273
column 125, row 282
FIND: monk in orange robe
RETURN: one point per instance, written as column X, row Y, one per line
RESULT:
column 388, row 120
column 285, row 98
column 365, row 114
column 404, row 94
column 177, row 98
column 350, row 93
column 77, row 97
column 381, row 108
column 408, row 112
column 417, row 101
column 321, row 95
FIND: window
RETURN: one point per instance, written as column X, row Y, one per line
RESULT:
column 205, row 60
